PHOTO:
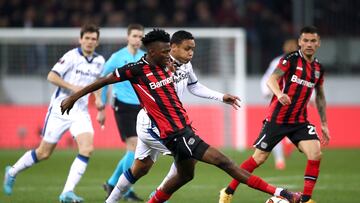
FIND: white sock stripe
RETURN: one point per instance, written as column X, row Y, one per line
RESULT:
column 261, row 139
column 310, row 177
column 187, row 146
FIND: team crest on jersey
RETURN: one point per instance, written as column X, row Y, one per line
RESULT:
column 317, row 74
column 284, row 62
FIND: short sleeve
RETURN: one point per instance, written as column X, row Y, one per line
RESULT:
column 321, row 79
column 63, row 64
column 126, row 72
column 284, row 64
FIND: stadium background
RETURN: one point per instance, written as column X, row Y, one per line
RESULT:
column 25, row 93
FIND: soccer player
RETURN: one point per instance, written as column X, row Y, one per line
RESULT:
column 148, row 146
column 289, row 46
column 126, row 105
column 292, row 83
column 152, row 81
column 76, row 69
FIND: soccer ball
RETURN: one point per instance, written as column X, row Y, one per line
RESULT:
column 276, row 199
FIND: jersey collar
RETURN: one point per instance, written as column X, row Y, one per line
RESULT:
column 89, row 59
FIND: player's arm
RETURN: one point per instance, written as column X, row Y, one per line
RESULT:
column 55, row 79
column 321, row 107
column 273, row 85
column 68, row 103
column 201, row 90
column 101, row 117
column 109, row 67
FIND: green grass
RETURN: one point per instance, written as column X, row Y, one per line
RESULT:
column 339, row 178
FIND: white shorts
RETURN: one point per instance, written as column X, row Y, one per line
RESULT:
column 148, row 143
column 56, row 125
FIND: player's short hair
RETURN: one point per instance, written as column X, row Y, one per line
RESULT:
column 89, row 28
column 156, row 35
column 134, row 26
column 179, row 36
column 309, row 29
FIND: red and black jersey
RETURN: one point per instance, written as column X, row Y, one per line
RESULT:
column 298, row 82
column 156, row 92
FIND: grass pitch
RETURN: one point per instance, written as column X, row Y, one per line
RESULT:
column 339, row 180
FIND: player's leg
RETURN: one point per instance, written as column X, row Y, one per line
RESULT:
column 139, row 169
column 78, row 167
column 146, row 154
column 311, row 149
column 82, row 130
column 270, row 135
column 54, row 127
column 185, row 173
column 172, row 172
column 254, row 161
column 215, row 157
column 279, row 158
column 125, row 116
column 30, row 158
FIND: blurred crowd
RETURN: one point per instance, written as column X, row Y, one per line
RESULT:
column 273, row 15
column 267, row 22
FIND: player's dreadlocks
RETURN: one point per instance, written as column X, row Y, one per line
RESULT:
column 180, row 36
column 156, row 35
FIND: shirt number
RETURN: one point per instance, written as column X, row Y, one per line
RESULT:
column 312, row 130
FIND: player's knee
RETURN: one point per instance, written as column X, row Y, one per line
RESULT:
column 187, row 177
column 224, row 162
column 260, row 159
column 141, row 171
column 43, row 155
column 315, row 155
column 86, row 150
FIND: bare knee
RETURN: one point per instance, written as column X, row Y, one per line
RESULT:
column 86, row 150
column 42, row 154
column 187, row 177
column 224, row 162
column 260, row 156
column 140, row 171
column 314, row 155
column 141, row 167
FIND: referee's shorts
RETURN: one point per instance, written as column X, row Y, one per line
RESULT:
column 125, row 116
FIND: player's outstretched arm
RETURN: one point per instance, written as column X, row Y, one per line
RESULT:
column 68, row 103
column 321, row 107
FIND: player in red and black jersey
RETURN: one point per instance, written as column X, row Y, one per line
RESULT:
column 153, row 83
column 292, row 84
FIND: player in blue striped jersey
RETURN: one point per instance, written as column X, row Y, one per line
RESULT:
column 76, row 69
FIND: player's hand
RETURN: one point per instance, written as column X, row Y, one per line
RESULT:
column 325, row 134
column 101, row 117
column 232, row 100
column 284, row 99
column 67, row 104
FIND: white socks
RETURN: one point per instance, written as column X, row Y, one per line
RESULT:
column 23, row 163
column 76, row 171
column 279, row 152
column 122, row 186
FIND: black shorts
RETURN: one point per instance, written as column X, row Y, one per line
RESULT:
column 272, row 133
column 125, row 116
column 185, row 145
